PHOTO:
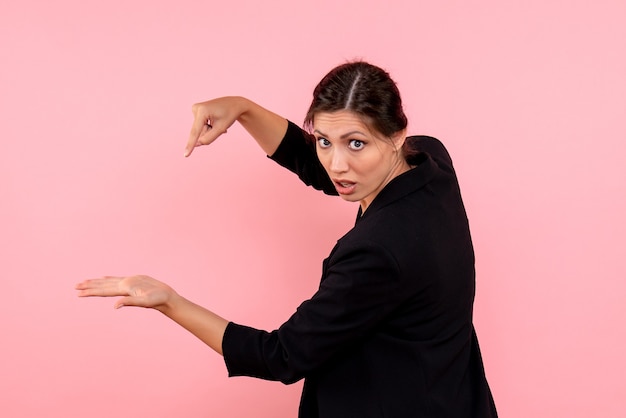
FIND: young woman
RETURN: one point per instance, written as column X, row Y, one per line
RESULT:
column 389, row 333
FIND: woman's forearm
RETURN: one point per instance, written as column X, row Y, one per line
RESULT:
column 204, row 324
column 265, row 126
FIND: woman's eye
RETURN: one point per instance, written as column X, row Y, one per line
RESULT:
column 323, row 142
column 356, row 144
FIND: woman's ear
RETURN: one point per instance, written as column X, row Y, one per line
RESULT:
column 398, row 139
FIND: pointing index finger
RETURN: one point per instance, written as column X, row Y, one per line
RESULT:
column 200, row 126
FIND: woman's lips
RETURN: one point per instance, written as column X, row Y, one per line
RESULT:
column 344, row 187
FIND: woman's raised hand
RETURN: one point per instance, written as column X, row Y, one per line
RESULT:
column 143, row 291
column 212, row 119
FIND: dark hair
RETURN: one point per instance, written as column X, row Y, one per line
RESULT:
column 364, row 89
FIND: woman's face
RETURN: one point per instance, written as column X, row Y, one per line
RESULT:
column 359, row 160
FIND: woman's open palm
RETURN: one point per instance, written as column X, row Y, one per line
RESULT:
column 143, row 291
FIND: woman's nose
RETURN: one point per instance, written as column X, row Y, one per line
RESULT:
column 338, row 163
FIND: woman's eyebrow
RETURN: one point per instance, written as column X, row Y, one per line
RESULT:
column 342, row 136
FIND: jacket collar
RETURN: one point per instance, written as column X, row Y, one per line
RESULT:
column 402, row 185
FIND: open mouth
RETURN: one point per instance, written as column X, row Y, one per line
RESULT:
column 345, row 187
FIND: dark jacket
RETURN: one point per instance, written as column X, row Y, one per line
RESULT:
column 389, row 332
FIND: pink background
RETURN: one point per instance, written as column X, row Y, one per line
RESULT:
column 529, row 97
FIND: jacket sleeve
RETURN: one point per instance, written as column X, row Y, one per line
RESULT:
column 359, row 290
column 296, row 153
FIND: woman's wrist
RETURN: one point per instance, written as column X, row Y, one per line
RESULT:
column 172, row 303
column 244, row 109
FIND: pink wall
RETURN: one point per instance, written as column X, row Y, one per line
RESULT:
column 530, row 98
